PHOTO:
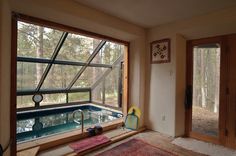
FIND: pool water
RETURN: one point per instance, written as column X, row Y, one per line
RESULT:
column 45, row 122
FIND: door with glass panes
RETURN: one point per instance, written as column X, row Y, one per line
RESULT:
column 211, row 90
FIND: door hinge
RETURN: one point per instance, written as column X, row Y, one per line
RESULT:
column 227, row 91
column 227, row 49
column 226, row 132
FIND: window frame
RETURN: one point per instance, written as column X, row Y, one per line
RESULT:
column 53, row 61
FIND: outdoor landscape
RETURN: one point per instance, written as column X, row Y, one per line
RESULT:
column 206, row 87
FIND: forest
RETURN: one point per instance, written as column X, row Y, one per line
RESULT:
column 34, row 41
column 206, row 77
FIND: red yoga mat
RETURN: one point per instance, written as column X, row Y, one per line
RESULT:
column 89, row 143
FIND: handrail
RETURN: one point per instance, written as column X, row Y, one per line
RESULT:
column 82, row 118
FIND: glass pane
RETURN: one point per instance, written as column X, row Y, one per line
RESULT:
column 112, row 88
column 36, row 41
column 97, row 93
column 206, row 86
column 77, row 48
column 49, row 99
column 89, row 76
column 29, row 75
column 109, row 53
column 60, row 76
column 24, row 101
column 78, row 97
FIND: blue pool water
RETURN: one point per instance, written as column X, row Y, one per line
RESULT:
column 59, row 120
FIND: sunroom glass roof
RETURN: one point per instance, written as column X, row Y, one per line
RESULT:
column 53, row 59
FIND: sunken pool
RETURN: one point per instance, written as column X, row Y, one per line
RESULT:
column 45, row 122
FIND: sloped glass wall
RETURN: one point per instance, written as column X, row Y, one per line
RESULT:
column 66, row 67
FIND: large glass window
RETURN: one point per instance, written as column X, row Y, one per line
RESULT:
column 29, row 75
column 24, row 101
column 56, row 64
column 36, row 41
column 89, row 77
column 97, row 93
column 49, row 99
column 60, row 76
column 77, row 48
column 60, row 72
column 112, row 87
column 78, row 97
column 109, row 53
column 109, row 90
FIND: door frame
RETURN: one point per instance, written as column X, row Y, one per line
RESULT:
column 221, row 139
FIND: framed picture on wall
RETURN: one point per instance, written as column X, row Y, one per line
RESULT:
column 160, row 51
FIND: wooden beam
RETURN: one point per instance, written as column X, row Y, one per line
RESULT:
column 125, row 82
column 60, row 62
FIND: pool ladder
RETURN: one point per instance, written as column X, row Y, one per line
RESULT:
column 82, row 118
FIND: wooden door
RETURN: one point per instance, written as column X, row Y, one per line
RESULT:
column 231, row 87
column 206, row 83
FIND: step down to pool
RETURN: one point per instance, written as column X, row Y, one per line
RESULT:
column 114, row 136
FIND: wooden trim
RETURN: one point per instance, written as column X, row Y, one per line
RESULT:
column 13, row 85
column 53, row 106
column 230, row 48
column 125, row 100
column 188, row 112
column 204, row 138
column 113, row 139
column 62, row 27
column 206, row 41
column 223, row 96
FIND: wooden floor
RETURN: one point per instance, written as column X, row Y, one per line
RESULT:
column 155, row 139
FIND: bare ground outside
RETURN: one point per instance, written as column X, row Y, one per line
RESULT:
column 205, row 121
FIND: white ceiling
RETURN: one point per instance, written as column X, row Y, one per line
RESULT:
column 151, row 13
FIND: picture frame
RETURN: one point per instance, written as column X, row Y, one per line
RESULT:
column 160, row 51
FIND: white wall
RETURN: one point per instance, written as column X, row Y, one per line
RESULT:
column 69, row 13
column 165, row 83
column 160, row 113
